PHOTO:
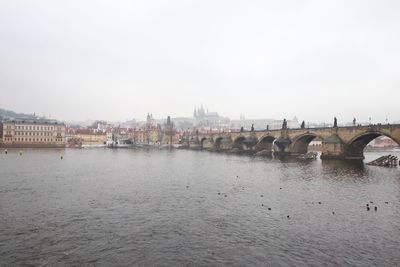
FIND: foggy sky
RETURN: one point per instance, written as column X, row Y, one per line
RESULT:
column 116, row 60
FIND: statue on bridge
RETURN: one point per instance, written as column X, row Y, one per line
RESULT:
column 303, row 125
column 334, row 122
column 267, row 127
column 241, row 129
column 252, row 127
column 284, row 124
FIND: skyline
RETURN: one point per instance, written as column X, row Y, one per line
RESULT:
column 81, row 60
column 294, row 119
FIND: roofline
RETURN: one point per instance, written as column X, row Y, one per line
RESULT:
column 41, row 122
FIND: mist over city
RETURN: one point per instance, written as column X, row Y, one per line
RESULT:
column 82, row 60
column 199, row 133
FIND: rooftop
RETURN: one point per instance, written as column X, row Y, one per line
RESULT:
column 32, row 121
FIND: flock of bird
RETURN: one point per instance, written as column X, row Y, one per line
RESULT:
column 319, row 202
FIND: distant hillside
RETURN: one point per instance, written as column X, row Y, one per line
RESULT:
column 8, row 114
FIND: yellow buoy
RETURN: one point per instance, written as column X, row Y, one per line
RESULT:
column 20, row 152
column 61, row 157
column 5, row 151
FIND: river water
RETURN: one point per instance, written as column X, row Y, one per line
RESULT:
column 103, row 207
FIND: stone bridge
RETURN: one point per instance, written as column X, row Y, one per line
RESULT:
column 337, row 142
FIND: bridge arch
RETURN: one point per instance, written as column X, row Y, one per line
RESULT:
column 218, row 142
column 300, row 143
column 202, row 142
column 239, row 143
column 355, row 147
column 265, row 143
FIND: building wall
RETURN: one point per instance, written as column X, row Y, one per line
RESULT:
column 146, row 136
column 92, row 138
column 33, row 134
column 138, row 137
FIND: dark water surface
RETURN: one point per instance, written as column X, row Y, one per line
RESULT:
column 101, row 207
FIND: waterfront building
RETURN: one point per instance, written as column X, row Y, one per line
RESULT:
column 86, row 136
column 1, row 132
column 153, row 134
column 33, row 133
column 150, row 134
column 139, row 136
column 170, row 135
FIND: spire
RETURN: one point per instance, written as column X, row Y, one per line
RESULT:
column 201, row 111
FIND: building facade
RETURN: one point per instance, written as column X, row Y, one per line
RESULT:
column 87, row 136
column 35, row 133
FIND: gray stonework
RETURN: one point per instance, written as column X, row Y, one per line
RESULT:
column 337, row 143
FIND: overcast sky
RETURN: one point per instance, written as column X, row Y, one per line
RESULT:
column 116, row 60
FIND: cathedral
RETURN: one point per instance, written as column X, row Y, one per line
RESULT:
column 204, row 118
column 199, row 113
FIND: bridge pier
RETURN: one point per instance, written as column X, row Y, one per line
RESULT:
column 333, row 148
column 282, row 144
